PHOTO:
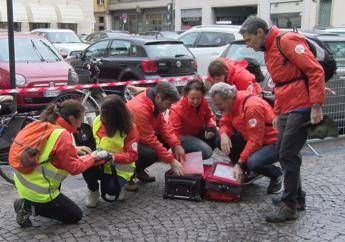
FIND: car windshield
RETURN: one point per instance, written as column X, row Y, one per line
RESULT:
column 338, row 50
column 29, row 50
column 63, row 37
column 170, row 35
column 167, row 50
column 240, row 51
column 116, row 34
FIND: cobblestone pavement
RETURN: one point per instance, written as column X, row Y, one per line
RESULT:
column 145, row 216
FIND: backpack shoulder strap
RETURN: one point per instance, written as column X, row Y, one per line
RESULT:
column 278, row 39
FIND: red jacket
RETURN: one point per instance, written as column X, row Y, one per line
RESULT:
column 65, row 153
column 130, row 148
column 184, row 119
column 239, row 76
column 152, row 125
column 300, row 59
column 253, row 120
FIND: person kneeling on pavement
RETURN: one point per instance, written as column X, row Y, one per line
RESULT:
column 156, row 136
column 39, row 190
column 192, row 120
column 115, row 133
column 252, row 117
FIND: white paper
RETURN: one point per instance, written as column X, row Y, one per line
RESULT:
column 224, row 171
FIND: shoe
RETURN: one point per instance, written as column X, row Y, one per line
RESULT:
column 251, row 177
column 92, row 199
column 131, row 186
column 122, row 194
column 23, row 214
column 300, row 205
column 276, row 185
column 143, row 176
column 282, row 214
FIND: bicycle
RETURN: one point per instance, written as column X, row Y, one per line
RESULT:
column 10, row 125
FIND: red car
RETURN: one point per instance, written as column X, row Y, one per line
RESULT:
column 38, row 64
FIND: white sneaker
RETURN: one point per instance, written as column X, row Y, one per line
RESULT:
column 122, row 195
column 92, row 199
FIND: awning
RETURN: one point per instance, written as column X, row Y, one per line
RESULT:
column 191, row 13
column 69, row 13
column 19, row 12
column 42, row 13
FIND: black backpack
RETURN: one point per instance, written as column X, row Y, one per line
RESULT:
column 254, row 68
column 321, row 52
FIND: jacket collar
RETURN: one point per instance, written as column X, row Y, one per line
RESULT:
column 271, row 37
column 237, row 105
column 64, row 124
column 151, row 94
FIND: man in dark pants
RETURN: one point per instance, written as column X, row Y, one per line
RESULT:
column 156, row 136
column 299, row 92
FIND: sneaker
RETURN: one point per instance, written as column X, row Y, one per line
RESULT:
column 251, row 177
column 92, row 199
column 300, row 205
column 131, row 186
column 276, row 185
column 23, row 215
column 282, row 214
column 143, row 176
column 122, row 194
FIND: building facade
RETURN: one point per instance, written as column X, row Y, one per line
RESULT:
column 31, row 14
column 138, row 16
column 102, row 16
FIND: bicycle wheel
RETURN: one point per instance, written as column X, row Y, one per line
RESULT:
column 6, row 172
column 90, row 104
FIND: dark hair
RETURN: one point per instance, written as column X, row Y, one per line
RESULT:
column 194, row 85
column 167, row 91
column 217, row 68
column 252, row 24
column 115, row 116
column 65, row 109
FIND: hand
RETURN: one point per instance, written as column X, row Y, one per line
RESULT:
column 209, row 134
column 83, row 150
column 275, row 123
column 316, row 114
column 102, row 155
column 225, row 144
column 180, row 154
column 238, row 173
column 136, row 90
column 176, row 166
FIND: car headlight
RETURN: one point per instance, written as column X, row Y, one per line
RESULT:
column 73, row 77
column 20, row 80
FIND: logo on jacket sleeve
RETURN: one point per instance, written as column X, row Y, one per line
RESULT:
column 135, row 146
column 299, row 49
column 252, row 122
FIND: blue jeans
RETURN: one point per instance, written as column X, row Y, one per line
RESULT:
column 261, row 162
column 193, row 144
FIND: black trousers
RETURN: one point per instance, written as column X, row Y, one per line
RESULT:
column 291, row 139
column 61, row 208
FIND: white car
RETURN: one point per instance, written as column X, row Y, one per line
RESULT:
column 64, row 40
column 208, row 42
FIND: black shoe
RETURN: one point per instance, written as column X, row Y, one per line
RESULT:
column 23, row 215
column 143, row 176
column 251, row 177
column 284, row 213
column 300, row 205
column 276, row 185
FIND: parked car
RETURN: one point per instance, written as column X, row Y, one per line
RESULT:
column 336, row 30
column 64, row 40
column 161, row 34
column 95, row 36
column 38, row 64
column 207, row 42
column 138, row 58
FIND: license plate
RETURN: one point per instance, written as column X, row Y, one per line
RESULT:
column 180, row 83
column 51, row 93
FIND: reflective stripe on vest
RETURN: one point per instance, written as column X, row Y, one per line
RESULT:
column 42, row 185
column 113, row 145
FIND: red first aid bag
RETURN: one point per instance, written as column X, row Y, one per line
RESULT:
column 220, row 184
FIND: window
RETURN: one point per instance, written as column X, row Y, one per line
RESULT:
column 16, row 26
column 154, row 21
column 286, row 20
column 62, row 37
column 189, row 39
column 101, row 20
column 70, row 26
column 167, row 50
column 211, row 39
column 137, row 51
column 100, row 2
column 38, row 25
column 119, row 48
column 97, row 50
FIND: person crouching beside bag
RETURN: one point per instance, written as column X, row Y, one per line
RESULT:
column 115, row 133
column 38, row 184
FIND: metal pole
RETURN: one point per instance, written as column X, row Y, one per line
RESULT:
column 12, row 63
